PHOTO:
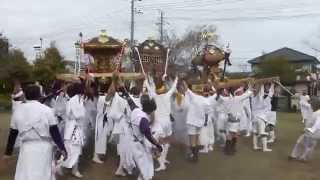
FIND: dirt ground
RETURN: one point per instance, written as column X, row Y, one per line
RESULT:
column 245, row 165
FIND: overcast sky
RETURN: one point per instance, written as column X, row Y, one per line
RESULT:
column 251, row 26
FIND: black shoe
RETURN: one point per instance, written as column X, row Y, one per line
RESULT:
column 290, row 158
column 195, row 152
column 227, row 147
column 233, row 146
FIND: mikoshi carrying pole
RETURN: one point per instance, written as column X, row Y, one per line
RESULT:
column 144, row 73
column 284, row 88
column 166, row 65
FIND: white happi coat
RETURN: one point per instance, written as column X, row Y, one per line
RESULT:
column 118, row 113
column 163, row 111
column 138, row 152
column 33, row 119
column 74, row 129
column 221, row 114
column 114, row 110
column 245, row 121
column 234, row 107
column 314, row 125
column 212, row 117
column 306, row 111
column 125, row 138
column 91, row 110
column 207, row 132
column 198, row 107
column 179, row 113
column 261, row 111
column 59, row 105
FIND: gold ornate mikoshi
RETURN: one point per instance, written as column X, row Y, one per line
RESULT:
column 153, row 57
column 213, row 56
column 104, row 49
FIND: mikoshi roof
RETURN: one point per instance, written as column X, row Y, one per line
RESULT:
column 102, row 41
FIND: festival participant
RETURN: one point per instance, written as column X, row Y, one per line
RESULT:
column 264, row 118
column 305, row 108
column 138, row 152
column 178, row 115
column 36, row 126
column 103, row 126
column 220, row 124
column 234, row 113
column 17, row 96
column 197, row 117
column 306, row 142
column 59, row 103
column 206, row 137
column 162, row 98
column 212, row 116
column 74, row 131
column 124, row 137
column 245, row 117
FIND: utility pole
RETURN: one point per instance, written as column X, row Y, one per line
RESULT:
column 132, row 23
column 133, row 12
column 161, row 25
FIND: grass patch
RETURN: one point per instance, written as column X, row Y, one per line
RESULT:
column 245, row 165
column 5, row 102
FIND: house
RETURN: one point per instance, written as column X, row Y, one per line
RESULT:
column 301, row 61
column 305, row 67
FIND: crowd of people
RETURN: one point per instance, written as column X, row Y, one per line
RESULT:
column 142, row 122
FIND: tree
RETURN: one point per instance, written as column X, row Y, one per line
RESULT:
column 277, row 66
column 184, row 49
column 49, row 65
column 14, row 66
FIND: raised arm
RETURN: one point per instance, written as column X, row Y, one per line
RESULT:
column 150, row 88
column 173, row 87
column 244, row 96
column 271, row 91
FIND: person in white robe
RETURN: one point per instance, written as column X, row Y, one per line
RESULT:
column 306, row 142
column 162, row 115
column 220, row 124
column 17, row 98
column 104, row 125
column 36, row 126
column 206, row 137
column 179, row 114
column 212, row 117
column 59, row 103
column 197, row 117
column 263, row 117
column 139, row 148
column 90, row 105
column 124, row 137
column 233, row 106
column 74, row 135
column 245, row 110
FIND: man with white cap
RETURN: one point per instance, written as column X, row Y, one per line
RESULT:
column 36, row 126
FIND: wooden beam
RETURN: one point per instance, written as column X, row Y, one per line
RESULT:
column 74, row 77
